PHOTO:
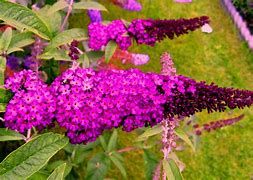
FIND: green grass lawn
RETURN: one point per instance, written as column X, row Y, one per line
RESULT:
column 221, row 57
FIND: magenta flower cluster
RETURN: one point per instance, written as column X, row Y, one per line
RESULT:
column 32, row 105
column 143, row 31
column 89, row 101
column 100, row 35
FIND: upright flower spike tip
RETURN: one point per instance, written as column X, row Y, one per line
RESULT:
column 151, row 31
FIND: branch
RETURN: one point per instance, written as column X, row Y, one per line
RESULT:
column 68, row 14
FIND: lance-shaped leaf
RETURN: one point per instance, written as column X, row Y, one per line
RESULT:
column 110, row 50
column 113, row 141
column 182, row 135
column 5, row 39
column 20, row 40
column 56, row 54
column 171, row 170
column 89, row 5
column 58, row 173
column 5, row 95
column 54, row 23
column 22, row 18
column 9, row 135
column 59, row 5
column 150, row 132
column 97, row 167
column 150, row 162
column 119, row 164
column 2, row 107
column 2, row 68
column 32, row 156
column 84, row 60
column 68, row 36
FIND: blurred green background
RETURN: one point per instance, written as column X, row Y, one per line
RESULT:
column 221, row 57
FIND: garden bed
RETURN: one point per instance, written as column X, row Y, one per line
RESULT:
column 241, row 22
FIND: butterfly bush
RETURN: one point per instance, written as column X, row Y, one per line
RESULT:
column 143, row 31
column 32, row 104
column 89, row 102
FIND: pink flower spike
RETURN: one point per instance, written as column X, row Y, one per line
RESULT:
column 139, row 59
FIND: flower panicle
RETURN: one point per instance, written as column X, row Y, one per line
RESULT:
column 144, row 31
column 86, row 102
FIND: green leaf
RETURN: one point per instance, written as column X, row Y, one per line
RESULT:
column 83, row 151
column 196, row 141
column 119, row 165
column 171, row 170
column 176, row 172
column 182, row 135
column 94, row 55
column 89, row 5
column 5, row 39
column 5, row 95
column 32, row 156
column 22, row 18
column 98, row 167
column 150, row 132
column 15, row 49
column 2, row 68
column 109, row 50
column 113, row 141
column 150, row 162
column 58, row 173
column 167, row 169
column 20, row 40
column 40, row 175
column 102, row 142
column 56, row 54
column 54, row 23
column 9, row 135
column 2, row 107
column 84, row 60
column 59, row 5
column 68, row 36
column 53, row 165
